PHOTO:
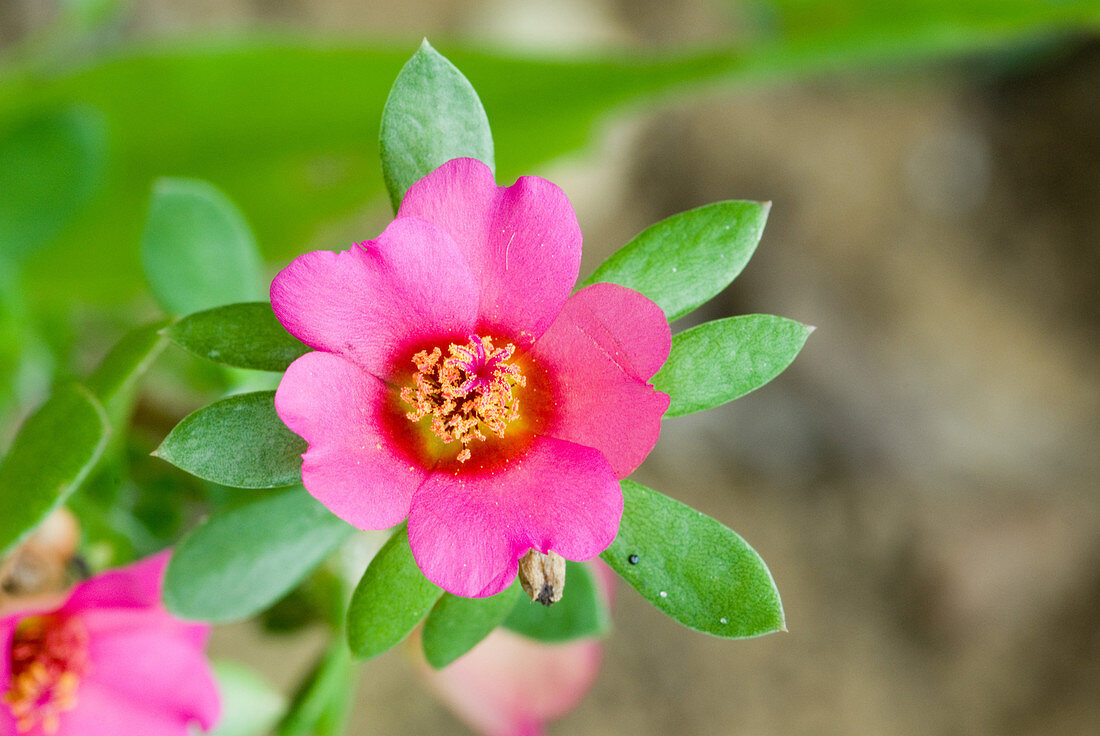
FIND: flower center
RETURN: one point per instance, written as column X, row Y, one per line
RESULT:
column 49, row 655
column 469, row 389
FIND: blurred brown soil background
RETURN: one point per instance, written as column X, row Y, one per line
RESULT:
column 923, row 480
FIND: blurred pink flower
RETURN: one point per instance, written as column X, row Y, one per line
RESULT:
column 111, row 661
column 458, row 383
column 509, row 685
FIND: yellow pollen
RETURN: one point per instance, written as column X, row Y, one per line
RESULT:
column 49, row 656
column 467, row 391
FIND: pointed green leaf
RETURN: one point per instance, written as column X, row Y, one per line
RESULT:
column 51, row 456
column 685, row 260
column 693, row 568
column 717, row 362
column 115, row 381
column 431, row 116
column 456, row 625
column 197, row 249
column 250, row 705
column 237, row 563
column 581, row 612
column 238, row 441
column 390, row 600
column 245, row 335
column 49, row 169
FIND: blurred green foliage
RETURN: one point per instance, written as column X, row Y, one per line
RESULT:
column 288, row 128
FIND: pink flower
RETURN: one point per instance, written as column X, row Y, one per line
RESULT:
column 109, row 661
column 458, row 383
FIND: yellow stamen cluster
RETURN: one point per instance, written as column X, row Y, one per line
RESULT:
column 49, row 656
column 469, row 388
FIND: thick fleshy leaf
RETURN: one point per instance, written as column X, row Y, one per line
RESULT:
column 49, row 168
column 115, row 381
column 245, row 335
column 237, row 563
column 582, row 611
column 717, row 362
column 390, row 600
column 197, row 249
column 431, row 116
column 250, row 705
column 455, row 624
column 50, row 457
column 685, row 260
column 238, row 441
column 693, row 568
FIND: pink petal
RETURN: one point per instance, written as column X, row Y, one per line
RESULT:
column 160, row 674
column 468, row 531
column 410, row 285
column 510, row 686
column 7, row 633
column 100, row 712
column 109, row 621
column 522, row 241
column 601, row 349
column 352, row 466
column 135, row 586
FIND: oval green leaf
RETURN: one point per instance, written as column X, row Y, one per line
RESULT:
column 693, row 568
column 237, row 563
column 685, row 260
column 432, row 115
column 245, row 335
column 238, row 441
column 197, row 250
column 717, row 362
column 581, row 612
column 50, row 457
column 390, row 600
column 456, row 625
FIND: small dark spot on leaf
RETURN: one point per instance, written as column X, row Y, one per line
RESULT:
column 633, row 559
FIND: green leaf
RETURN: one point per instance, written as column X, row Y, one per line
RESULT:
column 245, row 335
column 456, row 625
column 685, row 260
column 50, row 166
column 717, row 362
column 250, row 706
column 582, row 611
column 116, row 379
column 238, row 441
column 329, row 683
column 431, row 116
column 390, row 600
column 51, row 456
column 693, row 568
column 197, row 249
column 237, row 563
